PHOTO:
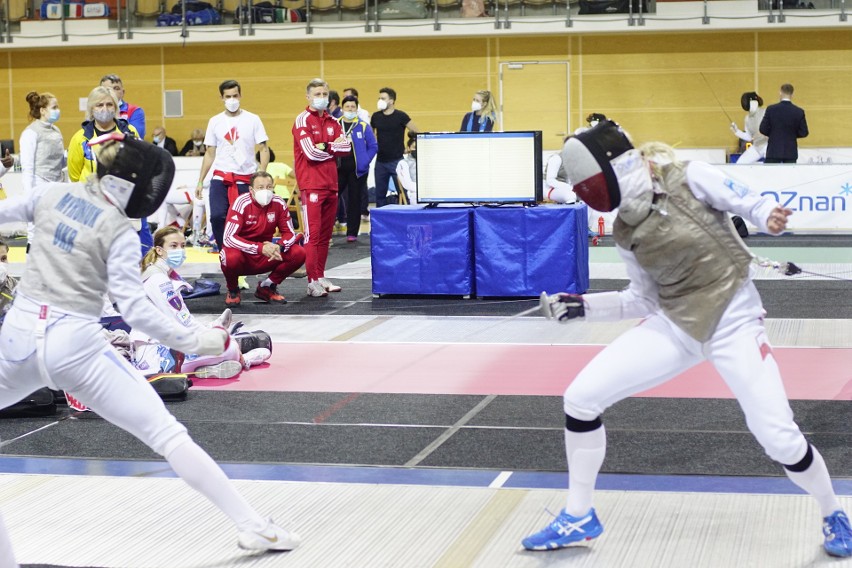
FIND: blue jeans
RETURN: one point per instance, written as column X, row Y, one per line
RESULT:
column 384, row 171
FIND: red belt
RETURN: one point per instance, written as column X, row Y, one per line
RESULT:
column 231, row 180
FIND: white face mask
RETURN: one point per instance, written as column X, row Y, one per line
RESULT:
column 233, row 105
column 350, row 115
column 103, row 116
column 319, row 103
column 382, row 104
column 752, row 105
column 4, row 272
column 156, row 139
column 197, row 142
column 476, row 106
column 263, row 197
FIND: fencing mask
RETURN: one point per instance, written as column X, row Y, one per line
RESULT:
column 587, row 159
column 138, row 178
column 748, row 97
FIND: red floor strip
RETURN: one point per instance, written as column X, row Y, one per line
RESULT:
column 809, row 373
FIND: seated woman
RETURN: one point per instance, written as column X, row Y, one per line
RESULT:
column 162, row 286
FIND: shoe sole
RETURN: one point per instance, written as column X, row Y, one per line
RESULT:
column 256, row 545
column 556, row 546
column 223, row 370
column 284, row 301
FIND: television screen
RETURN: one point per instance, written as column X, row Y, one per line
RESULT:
column 479, row 167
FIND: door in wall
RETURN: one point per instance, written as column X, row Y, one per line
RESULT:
column 534, row 95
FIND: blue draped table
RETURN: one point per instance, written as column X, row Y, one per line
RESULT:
column 481, row 251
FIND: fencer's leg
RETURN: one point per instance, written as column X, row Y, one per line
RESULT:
column 7, row 555
column 746, row 363
column 108, row 384
column 750, row 156
column 645, row 356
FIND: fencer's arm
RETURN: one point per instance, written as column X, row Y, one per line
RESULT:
column 638, row 300
column 125, row 287
column 21, row 207
column 713, row 187
column 742, row 135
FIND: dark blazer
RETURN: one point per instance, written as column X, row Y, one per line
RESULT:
column 783, row 122
column 170, row 146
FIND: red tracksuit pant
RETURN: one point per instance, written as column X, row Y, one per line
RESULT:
column 236, row 263
column 319, row 209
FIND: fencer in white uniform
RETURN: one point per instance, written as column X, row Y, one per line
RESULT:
column 84, row 248
column 690, row 279
column 752, row 103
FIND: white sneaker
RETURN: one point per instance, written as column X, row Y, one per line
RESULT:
column 316, row 289
column 225, row 319
column 272, row 537
column 328, row 286
column 243, row 283
column 223, row 370
column 255, row 357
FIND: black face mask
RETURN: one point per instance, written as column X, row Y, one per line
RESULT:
column 414, row 154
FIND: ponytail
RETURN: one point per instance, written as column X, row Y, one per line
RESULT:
column 159, row 239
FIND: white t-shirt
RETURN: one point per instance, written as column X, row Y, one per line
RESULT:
column 235, row 138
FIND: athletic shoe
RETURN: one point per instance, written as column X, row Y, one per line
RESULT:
column 224, row 320
column 233, row 298
column 269, row 294
column 328, row 286
column 351, row 239
column 565, row 530
column 272, row 537
column 255, row 357
column 223, row 370
column 838, row 534
column 243, row 283
column 316, row 289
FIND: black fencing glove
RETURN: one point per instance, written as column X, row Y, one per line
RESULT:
column 561, row 307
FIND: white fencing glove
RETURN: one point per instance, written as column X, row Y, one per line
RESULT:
column 561, row 307
column 213, row 341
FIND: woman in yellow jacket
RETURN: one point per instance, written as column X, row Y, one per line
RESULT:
column 101, row 118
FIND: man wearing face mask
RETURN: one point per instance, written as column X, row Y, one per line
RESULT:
column 691, row 282
column 389, row 124
column 318, row 141
column 160, row 139
column 231, row 139
column 248, row 248
column 752, row 103
column 133, row 114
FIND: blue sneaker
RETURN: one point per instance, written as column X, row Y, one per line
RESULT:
column 565, row 530
column 838, row 534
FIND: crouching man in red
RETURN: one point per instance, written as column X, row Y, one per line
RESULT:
column 248, row 247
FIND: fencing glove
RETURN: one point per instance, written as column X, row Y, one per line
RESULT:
column 561, row 307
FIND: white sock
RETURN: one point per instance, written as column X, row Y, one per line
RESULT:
column 816, row 481
column 204, row 475
column 586, row 452
column 267, row 283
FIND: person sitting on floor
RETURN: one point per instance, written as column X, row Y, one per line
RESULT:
column 248, row 247
column 163, row 286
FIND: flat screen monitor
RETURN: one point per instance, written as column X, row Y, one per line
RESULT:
column 479, row 167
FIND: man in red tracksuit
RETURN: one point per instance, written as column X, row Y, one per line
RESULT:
column 317, row 140
column 248, row 247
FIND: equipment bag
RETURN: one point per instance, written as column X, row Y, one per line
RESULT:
column 38, row 403
column 402, row 10
column 200, row 288
column 171, row 386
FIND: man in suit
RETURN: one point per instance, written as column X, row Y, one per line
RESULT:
column 168, row 144
column 783, row 123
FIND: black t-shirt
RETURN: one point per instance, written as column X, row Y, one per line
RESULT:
column 390, row 134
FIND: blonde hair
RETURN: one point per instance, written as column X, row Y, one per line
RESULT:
column 97, row 95
column 489, row 107
column 38, row 101
column 159, row 240
column 657, row 154
column 316, row 83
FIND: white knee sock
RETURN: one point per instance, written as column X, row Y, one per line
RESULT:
column 201, row 473
column 816, row 481
column 586, row 452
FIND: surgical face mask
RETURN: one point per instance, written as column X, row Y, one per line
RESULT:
column 263, row 197
column 382, row 104
column 53, row 115
column 233, row 105
column 4, row 272
column 156, row 140
column 413, row 154
column 752, row 105
column 197, row 142
column 319, row 103
column 103, row 115
column 476, row 106
column 175, row 257
column 350, row 115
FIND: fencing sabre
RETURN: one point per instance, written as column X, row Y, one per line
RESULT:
column 712, row 92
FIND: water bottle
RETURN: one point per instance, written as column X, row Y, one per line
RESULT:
column 601, row 226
